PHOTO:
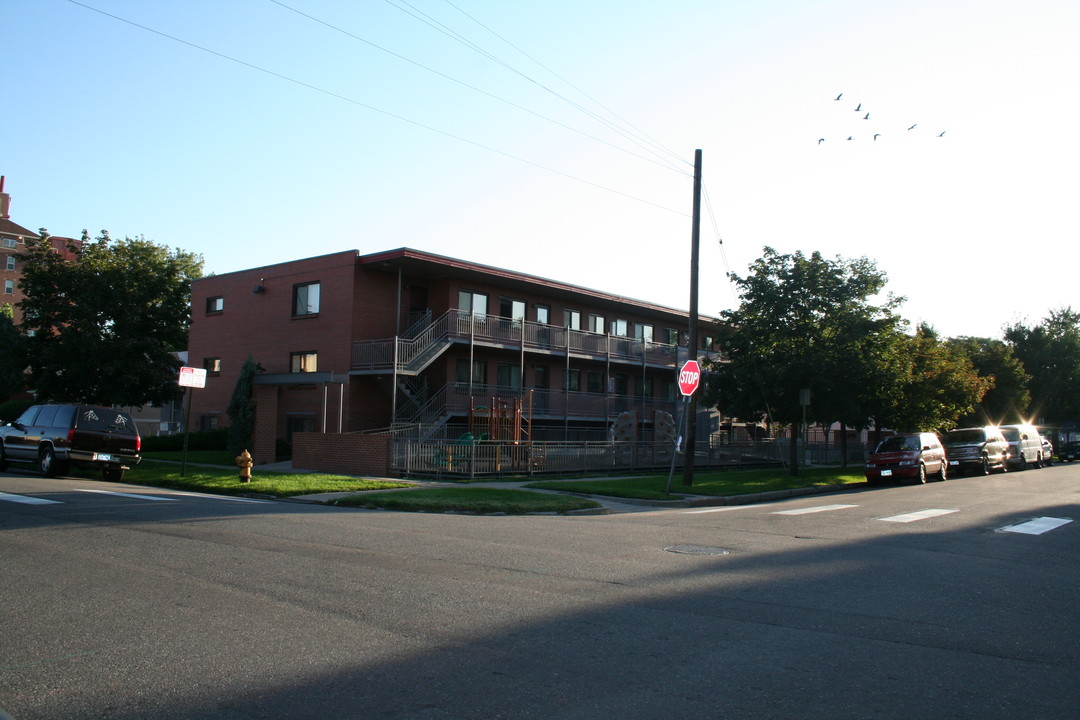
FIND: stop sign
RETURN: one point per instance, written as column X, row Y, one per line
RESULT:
column 689, row 377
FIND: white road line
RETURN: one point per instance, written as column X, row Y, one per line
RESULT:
column 219, row 497
column 722, row 509
column 819, row 508
column 27, row 500
column 128, row 495
column 920, row 515
column 1037, row 526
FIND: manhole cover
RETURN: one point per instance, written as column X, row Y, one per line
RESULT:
column 696, row 550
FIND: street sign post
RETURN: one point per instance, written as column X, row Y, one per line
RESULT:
column 190, row 377
column 688, row 381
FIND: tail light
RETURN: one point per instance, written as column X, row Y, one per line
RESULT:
column 138, row 443
column 71, row 437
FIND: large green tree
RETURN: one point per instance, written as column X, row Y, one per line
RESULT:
column 1050, row 352
column 12, row 354
column 101, row 326
column 806, row 322
column 1008, row 398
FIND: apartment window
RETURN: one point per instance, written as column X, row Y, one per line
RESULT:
column 513, row 309
column 596, row 323
column 212, row 365
column 572, row 379
column 215, row 305
column 8, row 242
column 298, row 423
column 620, row 328
column 509, row 376
column 643, row 332
column 10, row 262
column 595, row 382
column 644, row 387
column 617, row 384
column 306, row 299
column 572, row 319
column 303, row 362
column 9, row 287
column 208, row 422
column 472, row 302
column 671, row 336
column 479, row 372
column 543, row 314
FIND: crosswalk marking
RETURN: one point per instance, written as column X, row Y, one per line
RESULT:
column 128, row 495
column 27, row 500
column 722, row 509
column 920, row 515
column 1038, row 526
column 220, row 497
column 817, row 509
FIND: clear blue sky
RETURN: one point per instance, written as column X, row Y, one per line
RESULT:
column 256, row 132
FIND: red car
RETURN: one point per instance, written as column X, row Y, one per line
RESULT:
column 910, row 456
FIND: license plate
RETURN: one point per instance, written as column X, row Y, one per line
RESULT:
column 954, row 462
column 886, row 473
column 104, row 457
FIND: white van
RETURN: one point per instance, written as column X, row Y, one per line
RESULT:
column 1025, row 445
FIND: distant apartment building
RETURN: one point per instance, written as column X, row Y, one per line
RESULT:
column 349, row 342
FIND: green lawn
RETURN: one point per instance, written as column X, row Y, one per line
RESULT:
column 227, row 481
column 470, row 500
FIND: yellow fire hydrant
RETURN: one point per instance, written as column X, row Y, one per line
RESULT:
column 245, row 463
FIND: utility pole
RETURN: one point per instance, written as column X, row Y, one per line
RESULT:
column 695, row 237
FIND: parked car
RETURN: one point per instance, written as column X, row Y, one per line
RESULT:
column 914, row 455
column 57, row 436
column 1025, row 446
column 1047, row 451
column 979, row 449
column 1069, row 451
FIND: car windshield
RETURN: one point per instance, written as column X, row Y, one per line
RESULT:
column 1011, row 434
column 898, row 443
column 972, row 435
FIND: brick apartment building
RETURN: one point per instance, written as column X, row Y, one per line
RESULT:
column 349, row 342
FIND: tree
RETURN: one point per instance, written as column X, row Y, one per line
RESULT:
column 804, row 323
column 941, row 385
column 12, row 354
column 1008, row 398
column 102, row 326
column 1050, row 352
column 241, row 410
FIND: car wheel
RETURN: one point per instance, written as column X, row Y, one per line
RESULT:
column 113, row 474
column 943, row 472
column 1023, row 462
column 47, row 462
column 921, row 477
column 985, row 465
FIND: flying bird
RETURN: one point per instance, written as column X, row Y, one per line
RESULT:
column 858, row 108
column 838, row 96
column 913, row 126
column 849, row 137
column 942, row 133
column 876, row 136
column 820, row 140
column 866, row 116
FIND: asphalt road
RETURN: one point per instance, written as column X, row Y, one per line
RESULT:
column 894, row 602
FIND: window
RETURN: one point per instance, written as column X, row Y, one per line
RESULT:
column 472, row 302
column 671, row 336
column 212, row 365
column 513, row 309
column 479, row 372
column 10, row 262
column 208, row 422
column 572, row 379
column 9, row 287
column 620, row 328
column 303, row 362
column 509, row 376
column 644, row 387
column 572, row 319
column 8, row 242
column 643, row 332
column 298, row 423
column 306, row 299
column 595, row 382
column 596, row 323
column 215, row 305
column 543, row 314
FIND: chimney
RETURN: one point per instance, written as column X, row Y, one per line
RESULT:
column 5, row 201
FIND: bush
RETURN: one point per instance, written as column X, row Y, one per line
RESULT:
column 12, row 409
column 205, row 440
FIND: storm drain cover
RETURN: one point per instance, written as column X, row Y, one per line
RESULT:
column 696, row 550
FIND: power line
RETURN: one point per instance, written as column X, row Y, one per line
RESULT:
column 386, row 113
column 471, row 87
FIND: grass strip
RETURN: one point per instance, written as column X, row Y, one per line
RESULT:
column 470, row 500
column 227, row 482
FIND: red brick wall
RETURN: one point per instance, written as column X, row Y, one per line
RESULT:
column 264, row 435
column 346, row 454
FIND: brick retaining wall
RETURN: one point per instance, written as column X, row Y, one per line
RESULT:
column 345, row 454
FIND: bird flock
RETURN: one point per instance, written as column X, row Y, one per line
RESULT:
column 866, row 116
